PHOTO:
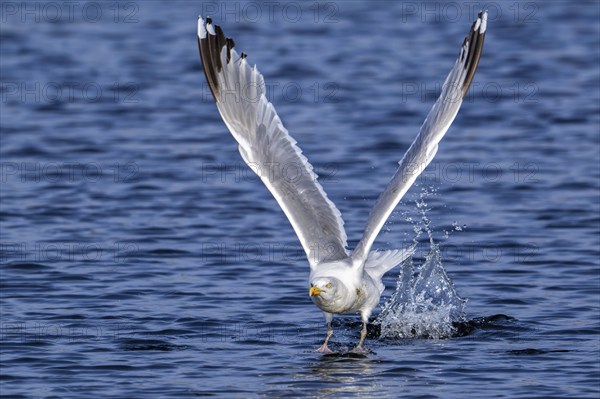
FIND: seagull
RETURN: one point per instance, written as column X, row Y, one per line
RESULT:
column 340, row 281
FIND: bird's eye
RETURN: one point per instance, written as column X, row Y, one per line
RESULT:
column 329, row 285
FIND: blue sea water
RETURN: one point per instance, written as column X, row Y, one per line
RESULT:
column 140, row 257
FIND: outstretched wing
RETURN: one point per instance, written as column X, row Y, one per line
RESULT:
column 267, row 148
column 425, row 146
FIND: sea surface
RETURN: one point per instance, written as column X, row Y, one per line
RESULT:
column 142, row 259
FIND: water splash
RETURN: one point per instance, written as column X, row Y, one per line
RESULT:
column 425, row 303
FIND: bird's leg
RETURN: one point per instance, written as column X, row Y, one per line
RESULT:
column 363, row 334
column 323, row 348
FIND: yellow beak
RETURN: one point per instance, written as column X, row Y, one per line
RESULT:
column 315, row 291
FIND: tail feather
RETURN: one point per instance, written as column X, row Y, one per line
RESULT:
column 380, row 262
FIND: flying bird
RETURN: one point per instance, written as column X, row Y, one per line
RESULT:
column 340, row 281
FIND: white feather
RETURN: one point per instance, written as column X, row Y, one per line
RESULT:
column 201, row 30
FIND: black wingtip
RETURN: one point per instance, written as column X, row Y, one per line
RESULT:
column 474, row 42
column 211, row 48
column 230, row 44
column 209, row 55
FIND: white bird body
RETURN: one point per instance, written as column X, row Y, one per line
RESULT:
column 340, row 282
column 352, row 285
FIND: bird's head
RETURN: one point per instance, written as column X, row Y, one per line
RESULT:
column 324, row 288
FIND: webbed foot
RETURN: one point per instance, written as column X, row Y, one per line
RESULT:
column 360, row 350
column 324, row 349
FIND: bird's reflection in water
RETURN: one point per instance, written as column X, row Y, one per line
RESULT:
column 346, row 373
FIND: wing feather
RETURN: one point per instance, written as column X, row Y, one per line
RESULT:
column 266, row 146
column 425, row 145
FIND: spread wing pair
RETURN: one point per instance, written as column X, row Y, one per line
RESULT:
column 265, row 145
